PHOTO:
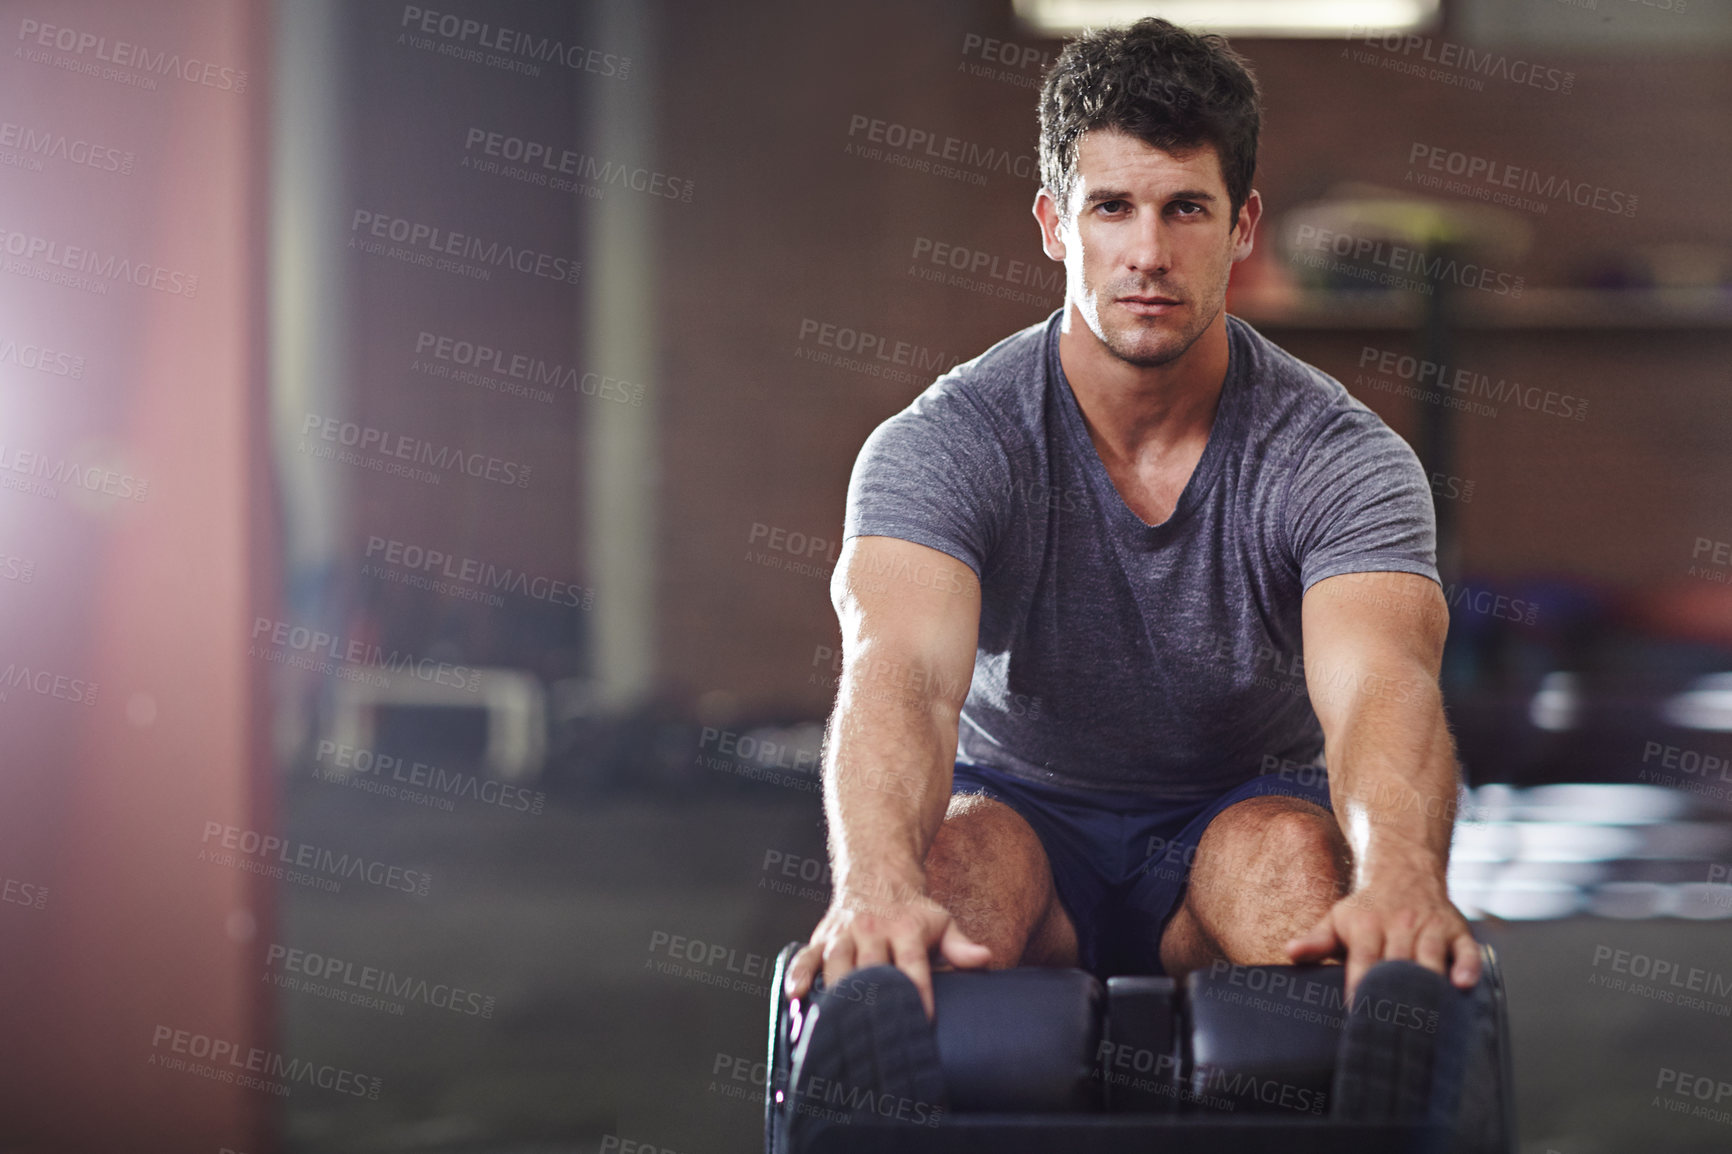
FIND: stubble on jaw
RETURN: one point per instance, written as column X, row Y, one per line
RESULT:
column 1132, row 354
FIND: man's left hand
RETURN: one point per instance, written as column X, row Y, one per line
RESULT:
column 1409, row 917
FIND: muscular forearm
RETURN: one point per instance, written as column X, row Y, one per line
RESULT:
column 1393, row 776
column 887, row 777
column 1371, row 664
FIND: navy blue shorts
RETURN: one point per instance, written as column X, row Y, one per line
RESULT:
column 1120, row 861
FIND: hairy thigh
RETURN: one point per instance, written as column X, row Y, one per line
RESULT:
column 988, row 868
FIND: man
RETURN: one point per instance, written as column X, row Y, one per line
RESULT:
column 1114, row 593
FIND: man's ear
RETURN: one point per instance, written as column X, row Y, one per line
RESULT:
column 1246, row 226
column 1051, row 225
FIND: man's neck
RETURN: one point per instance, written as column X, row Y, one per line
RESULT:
column 1136, row 413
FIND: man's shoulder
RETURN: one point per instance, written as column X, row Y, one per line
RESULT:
column 1278, row 375
column 1292, row 397
column 1000, row 385
column 1021, row 353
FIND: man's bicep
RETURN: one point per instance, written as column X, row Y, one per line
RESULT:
column 910, row 617
column 1375, row 633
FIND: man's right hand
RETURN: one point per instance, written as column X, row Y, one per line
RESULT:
column 858, row 931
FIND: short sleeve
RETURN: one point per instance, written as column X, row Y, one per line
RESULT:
column 1358, row 502
column 935, row 474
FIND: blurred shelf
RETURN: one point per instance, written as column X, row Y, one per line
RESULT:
column 1554, row 308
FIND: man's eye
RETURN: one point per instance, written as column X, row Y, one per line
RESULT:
column 1187, row 207
column 1113, row 205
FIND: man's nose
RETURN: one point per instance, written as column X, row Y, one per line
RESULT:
column 1149, row 252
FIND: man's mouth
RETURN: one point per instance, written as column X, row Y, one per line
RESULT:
column 1150, row 305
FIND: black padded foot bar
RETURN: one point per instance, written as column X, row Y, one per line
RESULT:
column 1242, row 1058
column 1020, row 1040
column 1262, row 1039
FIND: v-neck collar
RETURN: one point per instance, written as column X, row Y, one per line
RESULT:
column 1223, row 434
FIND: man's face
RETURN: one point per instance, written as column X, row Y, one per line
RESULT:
column 1147, row 243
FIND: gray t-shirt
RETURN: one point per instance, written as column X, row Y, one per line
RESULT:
column 1113, row 654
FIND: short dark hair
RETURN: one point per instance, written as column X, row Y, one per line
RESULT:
column 1175, row 90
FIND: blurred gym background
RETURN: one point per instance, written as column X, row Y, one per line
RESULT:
column 424, row 432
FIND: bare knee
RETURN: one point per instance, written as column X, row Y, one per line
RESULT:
column 1284, row 833
column 988, row 868
column 979, row 849
column 1310, row 841
column 1273, row 862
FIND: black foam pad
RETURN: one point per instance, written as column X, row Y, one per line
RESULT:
column 1140, row 1058
column 1021, row 1040
column 1263, row 1039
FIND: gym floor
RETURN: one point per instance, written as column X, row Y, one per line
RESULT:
column 589, row 1038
